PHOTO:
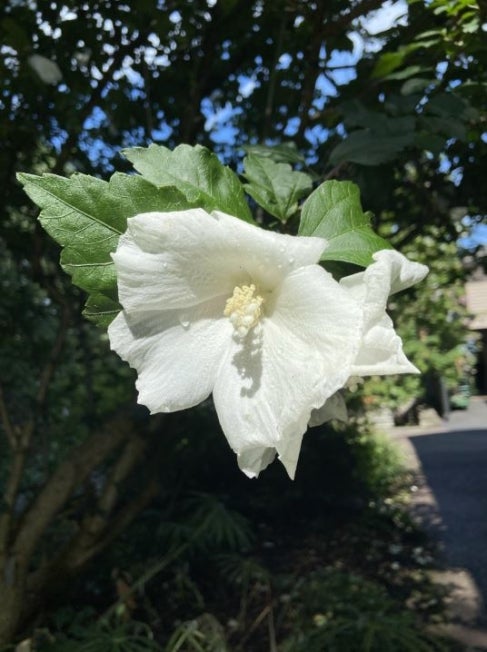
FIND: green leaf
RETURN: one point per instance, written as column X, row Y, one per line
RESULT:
column 449, row 126
column 446, row 105
column 430, row 142
column 101, row 309
column 86, row 216
column 408, row 72
column 388, row 62
column 400, row 105
column 275, row 186
column 356, row 115
column 416, row 85
column 471, row 26
column 194, row 171
column 369, row 148
column 284, row 153
column 333, row 211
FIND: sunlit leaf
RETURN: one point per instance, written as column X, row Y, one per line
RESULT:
column 86, row 216
column 275, row 186
column 196, row 172
column 333, row 211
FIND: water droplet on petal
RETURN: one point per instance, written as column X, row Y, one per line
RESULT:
column 291, row 260
column 184, row 321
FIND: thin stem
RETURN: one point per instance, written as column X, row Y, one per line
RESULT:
column 7, row 424
column 12, row 487
column 50, row 367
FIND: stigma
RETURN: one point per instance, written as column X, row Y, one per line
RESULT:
column 244, row 308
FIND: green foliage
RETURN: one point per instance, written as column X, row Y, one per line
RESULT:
column 202, row 634
column 86, row 216
column 222, row 567
column 275, row 186
column 79, row 393
column 382, row 135
column 283, row 153
column 22, row 348
column 378, row 462
column 388, row 62
column 106, row 636
column 373, row 146
column 241, row 571
column 333, row 211
column 217, row 525
column 340, row 611
column 196, row 172
column 206, row 524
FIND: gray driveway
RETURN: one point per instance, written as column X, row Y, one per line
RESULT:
column 453, row 461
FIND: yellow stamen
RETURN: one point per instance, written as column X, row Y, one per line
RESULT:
column 243, row 308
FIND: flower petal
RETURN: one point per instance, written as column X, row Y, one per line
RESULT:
column 271, row 381
column 390, row 273
column 334, row 408
column 381, row 350
column 182, row 258
column 267, row 256
column 176, row 357
column 172, row 260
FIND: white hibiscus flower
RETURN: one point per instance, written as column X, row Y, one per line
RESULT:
column 212, row 304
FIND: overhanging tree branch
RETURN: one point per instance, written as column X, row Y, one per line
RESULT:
column 6, row 423
column 69, row 474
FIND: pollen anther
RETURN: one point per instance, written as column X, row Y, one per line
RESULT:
column 244, row 308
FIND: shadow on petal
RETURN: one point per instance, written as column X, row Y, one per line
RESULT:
column 248, row 361
column 150, row 323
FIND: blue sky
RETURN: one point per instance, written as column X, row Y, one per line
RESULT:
column 364, row 38
column 477, row 236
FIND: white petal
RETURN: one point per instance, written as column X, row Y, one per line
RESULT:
column 179, row 259
column 403, row 272
column 391, row 272
column 334, row 408
column 381, row 351
column 176, row 354
column 172, row 260
column 268, row 256
column 271, row 381
column 254, row 459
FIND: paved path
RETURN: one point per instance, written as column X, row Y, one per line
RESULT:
column 453, row 460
